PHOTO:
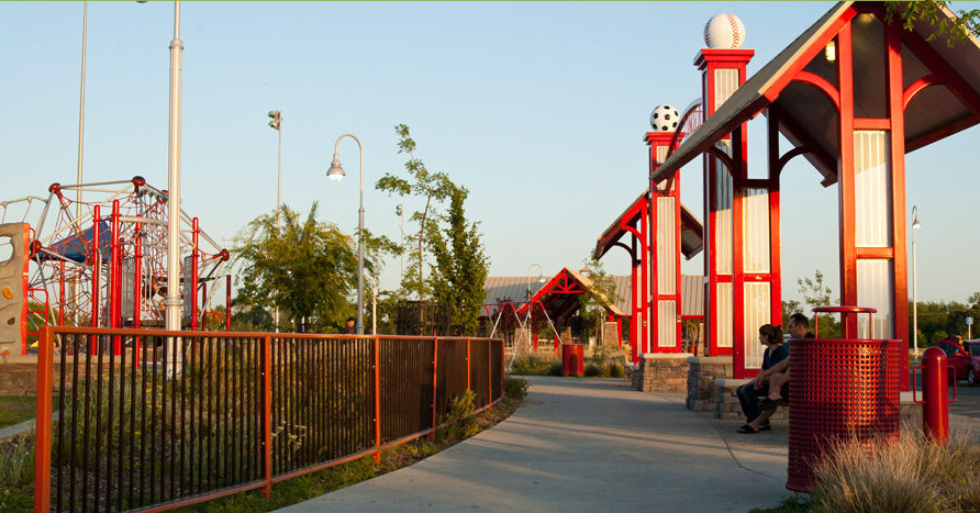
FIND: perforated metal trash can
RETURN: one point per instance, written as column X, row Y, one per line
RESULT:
column 572, row 359
column 839, row 388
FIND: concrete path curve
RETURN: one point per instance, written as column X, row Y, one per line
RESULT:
column 586, row 445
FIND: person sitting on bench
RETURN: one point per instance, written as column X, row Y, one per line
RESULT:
column 750, row 394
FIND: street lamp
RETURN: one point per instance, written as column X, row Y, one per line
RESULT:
column 173, row 300
column 276, row 124
column 337, row 173
column 540, row 279
column 915, row 305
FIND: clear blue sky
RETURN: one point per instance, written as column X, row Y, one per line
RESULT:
column 538, row 108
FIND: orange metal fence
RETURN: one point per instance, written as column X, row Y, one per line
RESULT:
column 180, row 418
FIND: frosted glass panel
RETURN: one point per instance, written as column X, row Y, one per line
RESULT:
column 128, row 299
column 726, row 82
column 667, row 323
column 757, row 310
column 666, row 246
column 755, row 236
column 661, row 154
column 723, row 220
column 872, row 189
column 725, row 324
column 874, row 289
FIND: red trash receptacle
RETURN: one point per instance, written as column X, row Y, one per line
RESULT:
column 572, row 359
column 840, row 388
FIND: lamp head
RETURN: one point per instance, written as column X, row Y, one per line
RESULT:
column 336, row 172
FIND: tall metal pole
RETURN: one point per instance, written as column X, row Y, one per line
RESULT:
column 401, row 242
column 75, row 285
column 173, row 301
column 278, row 126
column 915, row 285
column 374, row 297
column 336, row 172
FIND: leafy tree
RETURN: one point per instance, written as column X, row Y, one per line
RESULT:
column 422, row 183
column 816, row 294
column 306, row 267
column 593, row 305
column 958, row 30
column 461, row 266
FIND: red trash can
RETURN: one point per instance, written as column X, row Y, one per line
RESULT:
column 572, row 359
column 839, row 388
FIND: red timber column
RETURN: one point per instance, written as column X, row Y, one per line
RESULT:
column 723, row 71
column 873, row 268
column 641, row 285
column 635, row 324
column 665, row 248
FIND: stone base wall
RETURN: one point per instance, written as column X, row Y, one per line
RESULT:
column 727, row 406
column 704, row 371
column 662, row 373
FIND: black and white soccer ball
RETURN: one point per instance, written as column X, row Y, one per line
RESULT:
column 664, row 119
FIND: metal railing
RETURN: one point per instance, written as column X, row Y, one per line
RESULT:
column 179, row 418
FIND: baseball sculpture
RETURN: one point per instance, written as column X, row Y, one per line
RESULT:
column 724, row 32
column 664, row 119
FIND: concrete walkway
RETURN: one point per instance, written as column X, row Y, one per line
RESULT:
column 586, row 445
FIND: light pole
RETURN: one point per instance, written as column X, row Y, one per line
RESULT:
column 540, row 280
column 401, row 242
column 336, row 173
column 173, row 301
column 276, row 124
column 915, row 282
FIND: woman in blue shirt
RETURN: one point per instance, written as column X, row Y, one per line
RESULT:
column 751, row 393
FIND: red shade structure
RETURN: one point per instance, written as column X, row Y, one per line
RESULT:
column 887, row 91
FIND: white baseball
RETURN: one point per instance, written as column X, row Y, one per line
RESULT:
column 724, row 32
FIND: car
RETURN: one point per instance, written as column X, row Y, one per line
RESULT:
column 964, row 357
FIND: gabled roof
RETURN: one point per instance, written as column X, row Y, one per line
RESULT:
column 692, row 238
column 808, row 116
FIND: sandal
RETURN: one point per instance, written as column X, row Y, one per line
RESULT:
column 766, row 427
column 769, row 404
column 747, row 429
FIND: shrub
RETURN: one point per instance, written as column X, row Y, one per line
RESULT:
column 554, row 369
column 593, row 371
column 614, row 370
column 910, row 474
column 515, row 388
column 17, row 460
column 462, row 423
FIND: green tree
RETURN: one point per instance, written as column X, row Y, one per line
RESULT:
column 593, row 306
column 815, row 294
column 461, row 266
column 306, row 267
column 967, row 22
column 421, row 183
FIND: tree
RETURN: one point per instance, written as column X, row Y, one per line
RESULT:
column 461, row 266
column 593, row 305
column 306, row 267
column 958, row 30
column 423, row 184
column 816, row 294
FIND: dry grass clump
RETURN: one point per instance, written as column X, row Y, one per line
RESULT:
column 911, row 474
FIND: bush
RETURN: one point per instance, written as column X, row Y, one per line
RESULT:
column 515, row 388
column 593, row 371
column 17, row 460
column 614, row 370
column 462, row 423
column 554, row 369
column 909, row 474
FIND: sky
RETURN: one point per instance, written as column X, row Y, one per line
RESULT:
column 539, row 109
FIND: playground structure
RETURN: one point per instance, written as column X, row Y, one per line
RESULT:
column 101, row 262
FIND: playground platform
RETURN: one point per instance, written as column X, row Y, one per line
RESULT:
column 587, row 445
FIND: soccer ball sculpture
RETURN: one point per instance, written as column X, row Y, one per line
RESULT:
column 664, row 119
column 724, row 32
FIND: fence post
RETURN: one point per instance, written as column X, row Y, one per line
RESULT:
column 468, row 386
column 435, row 381
column 42, row 424
column 377, row 404
column 503, row 370
column 267, row 415
column 490, row 375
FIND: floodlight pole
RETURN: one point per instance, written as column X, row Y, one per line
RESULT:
column 173, row 301
column 915, row 283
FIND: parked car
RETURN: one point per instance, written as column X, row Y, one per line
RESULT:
column 964, row 357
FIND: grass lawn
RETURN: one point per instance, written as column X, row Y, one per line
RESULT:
column 16, row 409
